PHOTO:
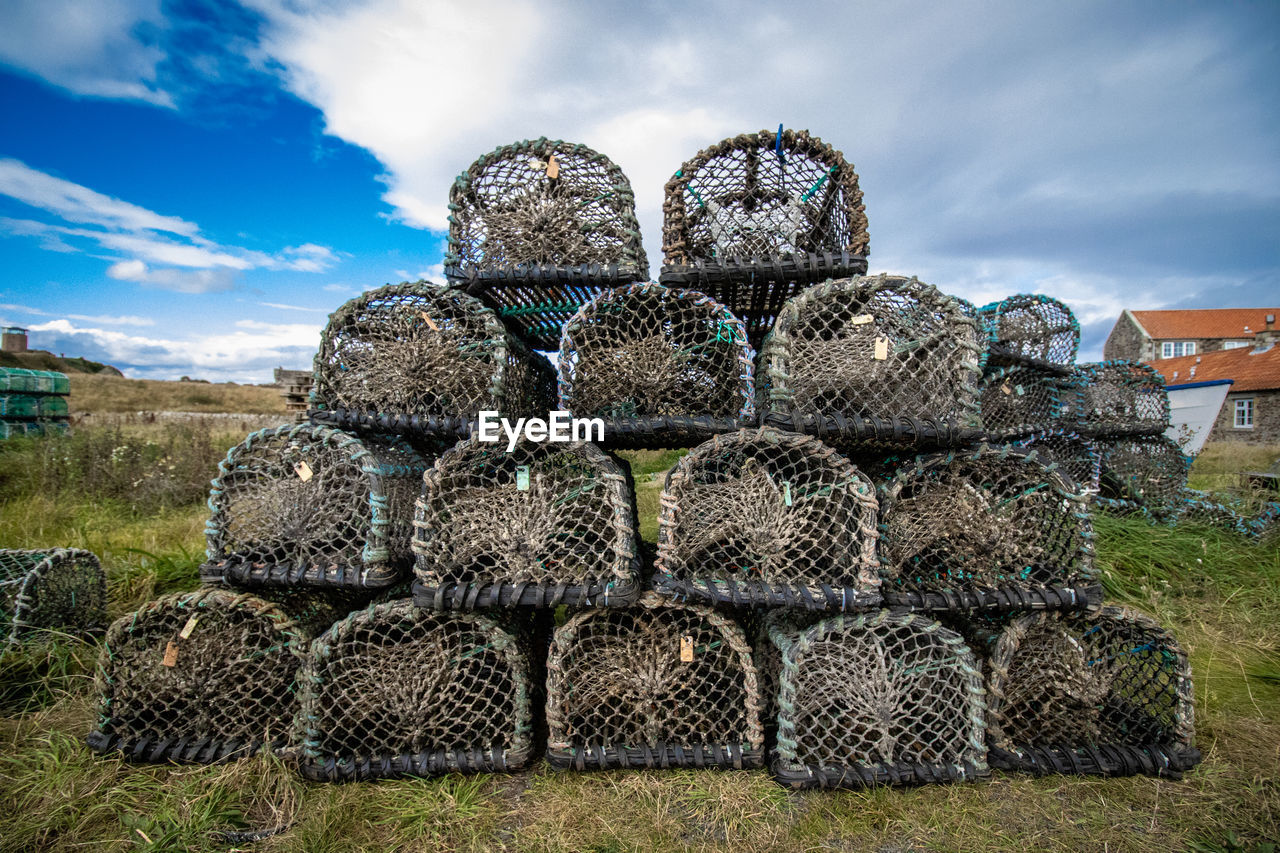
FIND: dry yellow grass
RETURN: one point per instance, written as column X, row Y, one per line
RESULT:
column 96, row 393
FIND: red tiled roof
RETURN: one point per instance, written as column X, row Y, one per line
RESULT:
column 1251, row 371
column 1204, row 323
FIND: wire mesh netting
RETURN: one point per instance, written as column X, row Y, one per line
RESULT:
column 1074, row 455
column 204, row 676
column 50, row 592
column 655, row 685
column 763, row 195
column 648, row 350
column 879, row 346
column 991, row 527
column 399, row 691
column 1150, row 470
column 1019, row 400
column 546, row 524
column 877, row 698
column 542, row 201
column 768, row 517
column 1121, row 397
column 311, row 505
column 1032, row 327
column 425, row 350
column 1105, row 693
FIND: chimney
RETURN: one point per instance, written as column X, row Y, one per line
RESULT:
column 1265, row 339
column 13, row 339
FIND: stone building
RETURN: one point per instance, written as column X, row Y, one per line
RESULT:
column 1150, row 335
column 1251, row 411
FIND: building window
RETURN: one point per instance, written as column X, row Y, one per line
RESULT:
column 1234, row 344
column 1244, row 413
column 1173, row 349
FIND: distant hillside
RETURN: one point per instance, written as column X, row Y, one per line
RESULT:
column 107, row 393
column 41, row 360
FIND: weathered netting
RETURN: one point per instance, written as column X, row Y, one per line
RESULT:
column 767, row 517
column 877, row 698
column 763, row 195
column 1266, row 524
column 546, row 524
column 655, row 685
column 1019, row 400
column 1074, row 455
column 1148, row 469
column 395, row 690
column 1119, row 507
column 50, row 592
column 1119, row 397
column 1196, row 507
column 311, row 505
column 992, row 527
column 648, row 350
column 878, row 346
column 1032, row 327
column 1106, row 693
column 422, row 351
column 542, row 201
column 204, row 676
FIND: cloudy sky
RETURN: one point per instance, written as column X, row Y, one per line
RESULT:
column 191, row 187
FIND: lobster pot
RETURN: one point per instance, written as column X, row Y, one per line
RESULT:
column 877, row 698
column 1148, row 469
column 1195, row 509
column 313, row 506
column 766, row 517
column 48, row 593
column 416, row 353
column 1031, row 327
column 1074, row 456
column 539, row 227
column 882, row 346
column 546, row 524
column 647, row 351
column 398, row 691
column 757, row 217
column 1016, row 401
column 988, row 528
column 1119, row 507
column 203, row 676
column 655, row 685
column 1119, row 397
column 1105, row 693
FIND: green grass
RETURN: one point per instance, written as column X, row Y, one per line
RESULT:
column 1220, row 594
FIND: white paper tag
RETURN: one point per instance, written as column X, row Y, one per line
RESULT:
column 185, row 633
column 1006, row 389
column 861, row 320
column 553, row 167
column 686, row 648
column 882, row 349
column 303, row 470
column 522, row 478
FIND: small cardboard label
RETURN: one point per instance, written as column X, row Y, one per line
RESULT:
column 522, row 478
column 686, row 649
column 882, row 349
column 1006, row 389
column 553, row 167
column 303, row 470
column 170, row 654
column 861, row 320
column 786, row 492
column 185, row 633
column 432, row 323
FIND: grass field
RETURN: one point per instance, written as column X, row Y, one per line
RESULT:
column 105, row 393
column 1220, row 593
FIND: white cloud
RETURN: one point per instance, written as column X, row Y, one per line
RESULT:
column 245, row 354
column 88, row 48
column 189, row 262
column 284, row 307
column 103, row 319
